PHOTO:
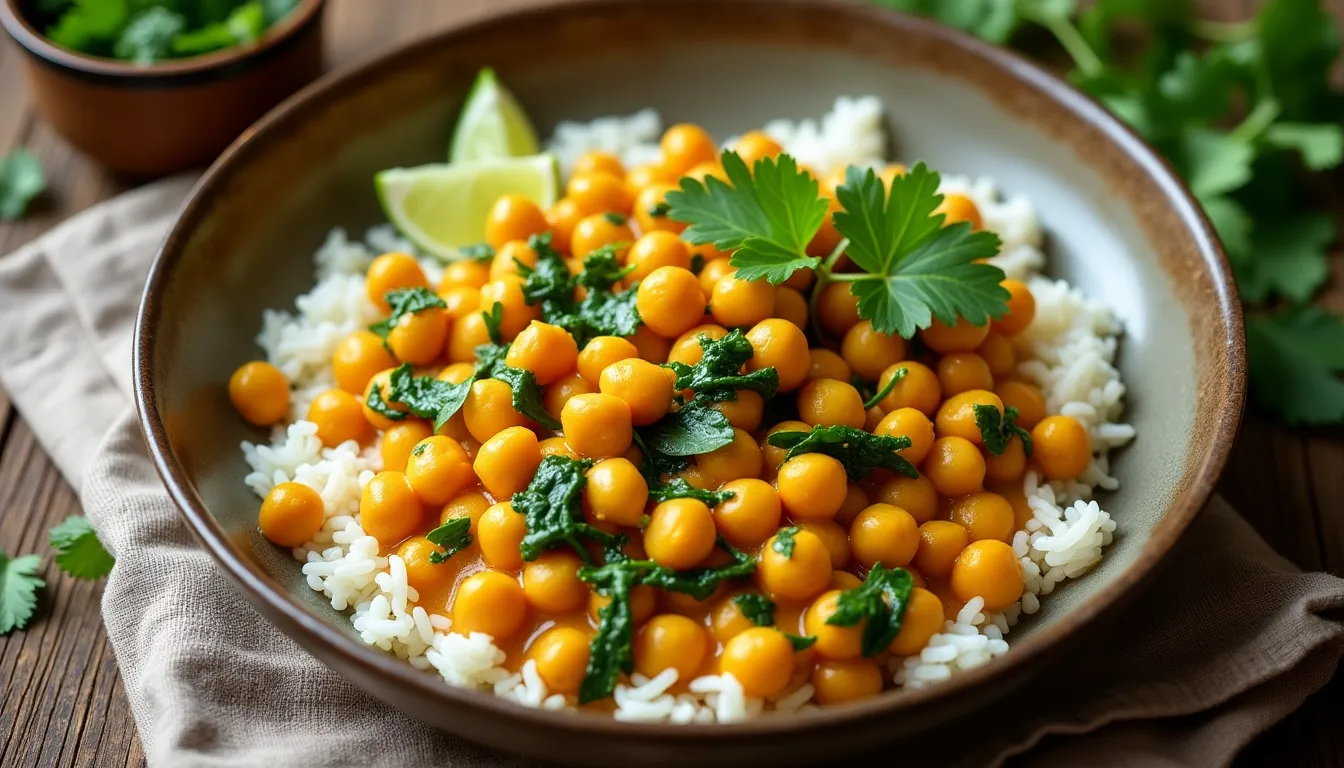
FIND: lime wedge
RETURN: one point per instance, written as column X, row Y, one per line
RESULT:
column 442, row 206
column 492, row 124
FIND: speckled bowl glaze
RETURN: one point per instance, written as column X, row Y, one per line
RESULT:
column 1120, row 226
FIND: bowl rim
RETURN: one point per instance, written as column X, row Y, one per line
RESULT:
column 40, row 46
column 327, row 641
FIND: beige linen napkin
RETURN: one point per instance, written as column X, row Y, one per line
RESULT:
column 1230, row 640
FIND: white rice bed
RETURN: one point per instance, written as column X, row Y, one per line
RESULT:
column 1068, row 351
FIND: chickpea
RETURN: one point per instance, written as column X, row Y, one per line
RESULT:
column 736, row 302
column 339, row 417
column 1008, row 467
column 827, row 237
column 915, row 495
column 358, row 358
column 940, row 541
column 869, row 352
column 260, row 393
column 714, row 271
column 737, row 460
column 958, row 208
column 390, row 272
column 389, row 509
column 1021, row 309
column 800, row 280
column 650, row 211
column 516, row 313
column 599, row 192
column 470, row 504
column 672, row 641
column 1061, row 446
column 500, row 533
column 652, row 347
column 556, row 446
column 464, row 273
column 548, row 351
column 956, row 416
column 507, row 259
column 383, row 382
column 963, row 372
column 680, row 533
column 1028, row 401
column 985, row 515
column 790, row 305
column 833, row 641
column 910, row 423
column 751, row 515
column 743, row 413
column 561, row 656
column 727, row 621
column 616, row 492
column 488, row 409
column 954, row 466
column 597, row 161
column 884, row 534
column 917, row 388
column 991, row 570
column 561, row 219
column 686, row 146
column 439, row 469
column 856, row 500
column 850, row 680
column 396, row 443
column 291, row 514
column 643, row 603
column 781, row 345
column 421, row 574
column 669, row 301
column 760, row 659
column 643, row 386
column 513, row 217
column 837, row 309
column 598, row 230
column 872, row 418
column 419, row 337
column 465, row 335
column 551, row 582
column 826, row 364
column 756, row 145
column 923, row 619
column 998, row 353
column 654, row 249
column 597, row 425
column 489, row 602
column 827, row 402
column 561, row 391
column 960, row 337
column 799, row 576
column 507, row 461
column 688, row 349
column 833, row 536
column 771, row 456
column 600, row 352
column 812, row 486
column 642, row 176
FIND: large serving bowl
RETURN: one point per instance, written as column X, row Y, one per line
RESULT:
column 1120, row 226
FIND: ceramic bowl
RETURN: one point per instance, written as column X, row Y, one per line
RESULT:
column 171, row 115
column 1120, row 226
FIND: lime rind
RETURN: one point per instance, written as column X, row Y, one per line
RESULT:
column 492, row 124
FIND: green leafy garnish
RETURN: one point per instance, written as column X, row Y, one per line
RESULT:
column 679, row 488
column 243, row 25
column 146, row 31
column 615, row 218
column 716, row 377
column 601, row 312
column 1297, row 358
column 656, row 465
column 19, row 584
column 150, row 35
column 694, row 429
column 882, row 393
column 78, row 550
column 801, row 642
column 859, row 451
column 21, row 180
column 880, row 602
column 378, row 405
column 659, row 210
column 481, row 252
column 759, row 609
column 997, row 430
column 551, row 506
column 784, row 541
column 451, row 537
column 526, row 394
column 406, row 301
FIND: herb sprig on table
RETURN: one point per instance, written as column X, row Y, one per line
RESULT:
column 1244, row 111
column 78, row 553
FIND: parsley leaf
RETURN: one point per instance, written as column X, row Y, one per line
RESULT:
column 861, row 452
column 766, row 215
column 551, row 506
column 1321, row 145
column 1295, row 361
column 378, row 405
column 405, row 301
column 917, row 269
column 452, row 537
column 880, row 602
column 21, row 180
column 759, row 609
column 784, row 541
column 1292, row 257
column 149, row 36
column 716, row 376
column 19, row 583
column 998, row 429
column 692, row 430
column 78, row 550
column 1212, row 162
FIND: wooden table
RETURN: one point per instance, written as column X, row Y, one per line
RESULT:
column 61, row 698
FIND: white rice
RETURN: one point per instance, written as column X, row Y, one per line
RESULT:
column 1068, row 351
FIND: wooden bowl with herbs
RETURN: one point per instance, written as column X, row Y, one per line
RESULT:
column 148, row 90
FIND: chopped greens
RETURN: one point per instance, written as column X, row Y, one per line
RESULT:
column 406, row 301
column 481, row 252
column 716, row 377
column 378, row 405
column 679, row 488
column 78, row 550
column 998, row 429
column 551, row 506
column 526, row 394
column 859, row 451
column 19, row 584
column 801, row 642
column 694, row 429
column 759, row 609
column 146, row 32
column 784, row 541
column 601, row 312
column 656, row 464
column 451, row 537
column 882, row 393
column 880, row 602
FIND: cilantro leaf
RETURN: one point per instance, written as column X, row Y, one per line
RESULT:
column 21, row 180
column 1295, row 361
column 1233, row 224
column 784, row 541
column 601, row 312
column 149, row 36
column 880, row 602
column 551, row 506
column 526, row 394
column 766, row 215
column 861, row 452
column 78, row 550
column 917, row 269
column 1321, row 145
column 89, row 26
column 998, row 429
column 992, row 20
column 694, row 429
column 716, row 376
column 405, row 301
column 1212, row 162
column 1298, row 42
column 243, row 25
column 801, row 642
column 19, row 583
column 452, row 537
column 759, row 609
column 378, row 405
column 1291, row 257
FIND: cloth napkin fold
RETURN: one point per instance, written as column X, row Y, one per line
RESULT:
column 1229, row 640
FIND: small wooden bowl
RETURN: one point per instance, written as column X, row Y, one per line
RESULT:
column 165, row 117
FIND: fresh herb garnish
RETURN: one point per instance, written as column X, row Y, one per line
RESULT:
column 659, row 210
column 21, row 180
column 880, row 601
column 551, row 506
column 998, row 429
column 656, row 465
column 882, row 393
column 801, row 642
column 451, row 537
column 601, row 312
column 426, row 396
column 406, row 301
column 759, row 609
column 694, row 429
column 144, row 33
column 784, row 541
column 378, row 405
column 481, row 252
column 861, row 452
column 679, row 488
column 78, row 550
column 1302, row 352
column 615, row 218
column 526, row 394
column 19, row 584
column 716, row 377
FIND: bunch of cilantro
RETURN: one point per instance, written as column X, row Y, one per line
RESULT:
column 1246, row 113
column 146, row 31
